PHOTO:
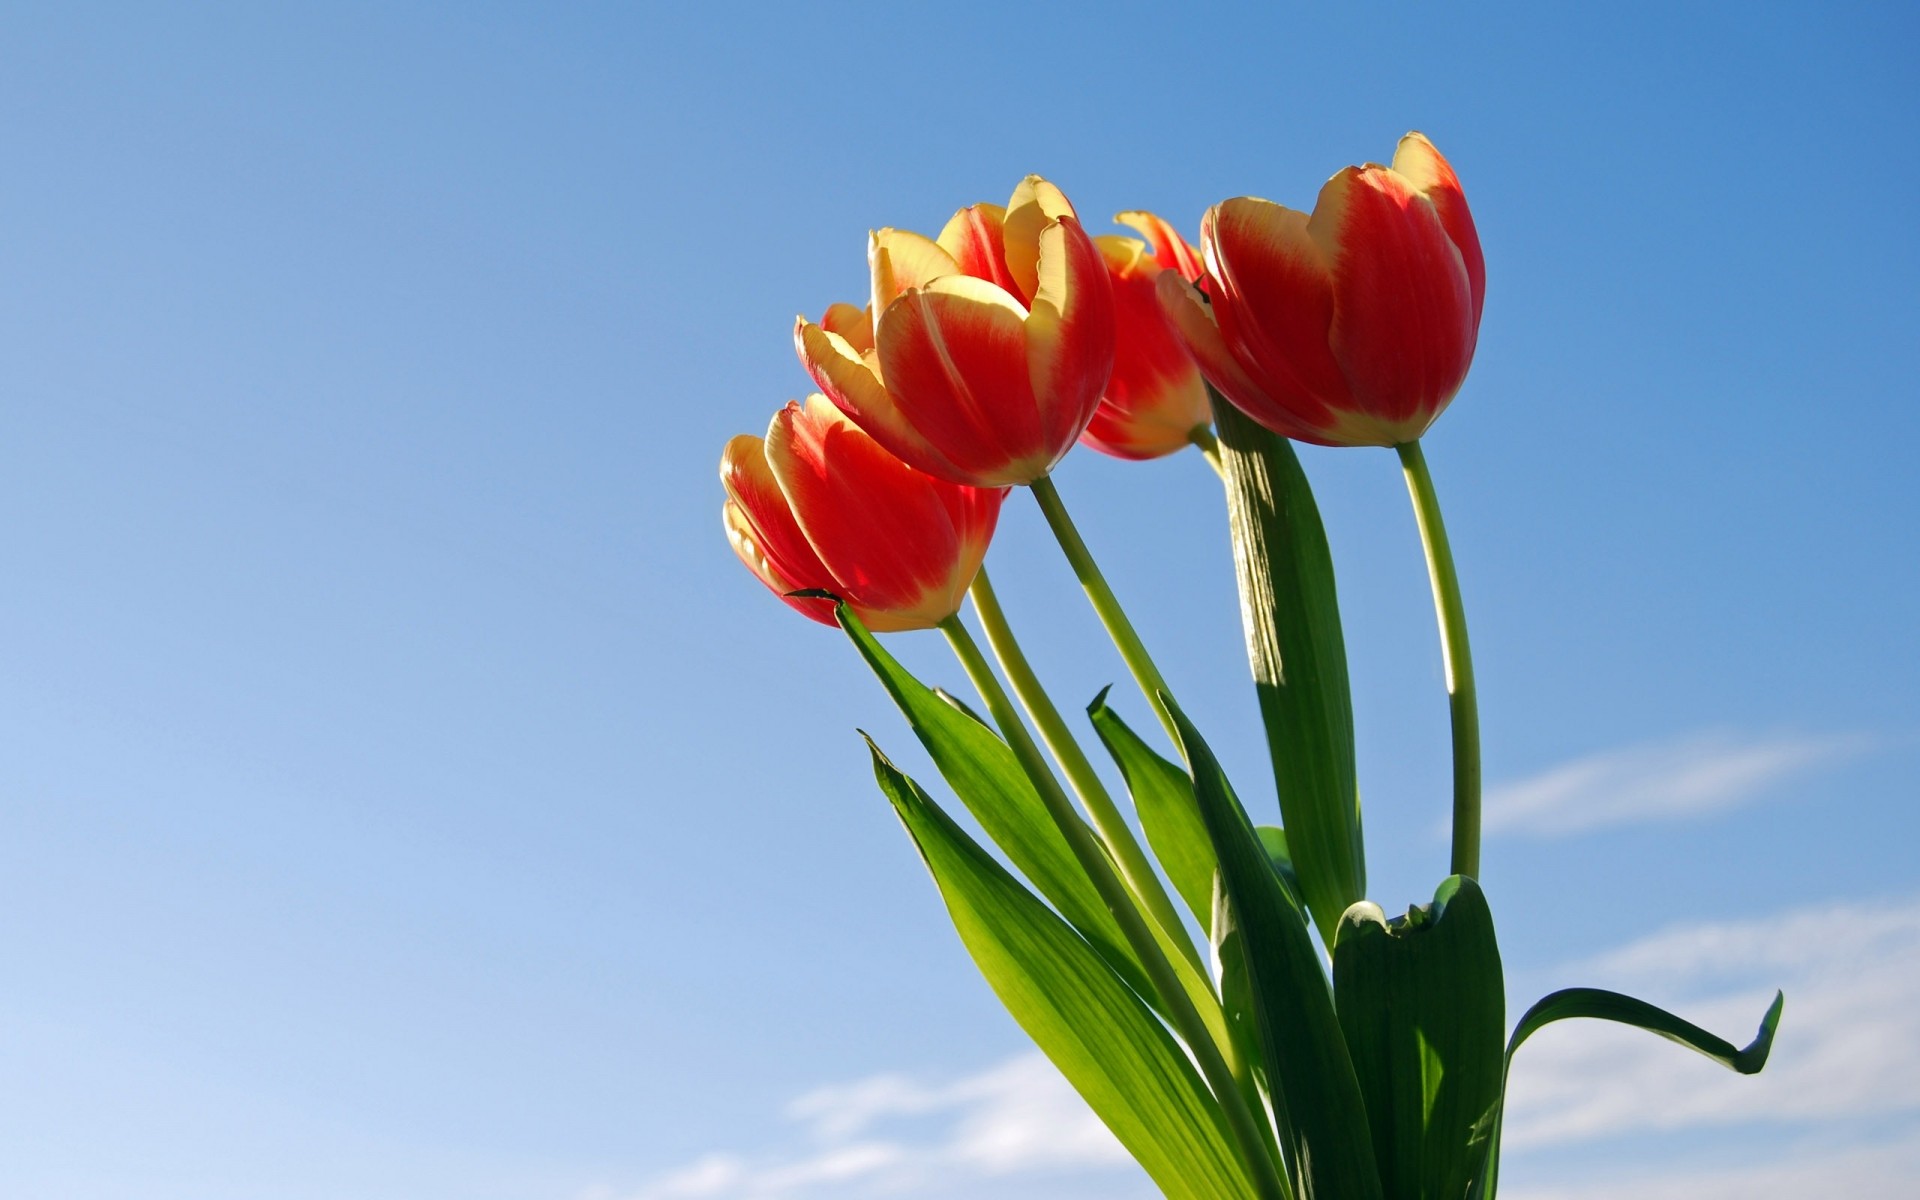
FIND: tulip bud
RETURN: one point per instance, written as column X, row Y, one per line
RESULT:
column 819, row 505
column 1350, row 327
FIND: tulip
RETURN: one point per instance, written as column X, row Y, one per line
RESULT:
column 1156, row 402
column 990, row 347
column 980, row 358
column 819, row 505
column 1350, row 327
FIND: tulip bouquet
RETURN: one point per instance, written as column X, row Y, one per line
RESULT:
column 1220, row 991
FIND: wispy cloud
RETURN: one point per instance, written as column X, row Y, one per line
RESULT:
column 892, row 1135
column 1695, row 776
column 1849, row 1046
column 1881, row 1171
column 1844, row 1083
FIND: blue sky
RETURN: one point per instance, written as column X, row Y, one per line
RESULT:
column 404, row 794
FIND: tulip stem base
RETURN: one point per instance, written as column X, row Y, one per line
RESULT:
column 1178, row 1006
column 1119, row 628
column 1462, row 700
column 1135, row 869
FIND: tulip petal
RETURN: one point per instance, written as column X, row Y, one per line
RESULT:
column 1125, row 256
column 1403, row 327
column 850, row 381
column 1170, row 250
column 974, row 512
column 746, row 542
column 954, row 355
column 1186, row 306
column 761, row 527
column 877, row 523
column 852, row 323
column 1155, row 397
column 900, row 259
column 1035, row 204
column 976, row 239
column 1432, row 176
column 1070, row 334
column 1275, row 302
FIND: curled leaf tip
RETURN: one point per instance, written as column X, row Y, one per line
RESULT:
column 1753, row 1056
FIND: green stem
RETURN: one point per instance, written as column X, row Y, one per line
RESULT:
column 1139, row 662
column 1462, row 703
column 1202, row 436
column 1113, row 828
column 1179, row 1008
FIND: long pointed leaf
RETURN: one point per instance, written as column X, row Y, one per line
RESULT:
column 1274, row 840
column 985, row 775
column 1324, row 1123
column 1163, row 796
column 1298, row 654
column 1100, row 1035
column 1602, row 1005
column 1423, row 1007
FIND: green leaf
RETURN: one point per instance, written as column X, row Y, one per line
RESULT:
column 1323, row 1120
column 1292, row 620
column 1624, row 1010
column 1163, row 796
column 1100, row 1035
column 1423, row 1006
column 983, row 772
column 956, row 702
column 1274, row 840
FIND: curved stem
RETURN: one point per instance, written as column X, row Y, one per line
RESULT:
column 1462, row 702
column 1202, row 436
column 1179, row 1008
column 1138, row 873
column 1139, row 662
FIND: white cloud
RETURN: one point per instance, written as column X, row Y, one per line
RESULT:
column 1015, row 1118
column 1695, row 776
column 1874, row 1172
column 1849, row 1044
column 1836, row 1112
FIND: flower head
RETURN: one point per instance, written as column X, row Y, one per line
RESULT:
column 819, row 505
column 1352, row 326
column 986, row 350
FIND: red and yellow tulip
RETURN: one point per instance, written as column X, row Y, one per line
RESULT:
column 1350, row 327
column 817, row 504
column 984, row 352
column 1155, row 398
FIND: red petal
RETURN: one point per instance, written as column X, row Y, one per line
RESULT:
column 1275, row 299
column 1070, row 334
column 1241, row 381
column 1155, row 397
column 1170, row 250
column 954, row 356
column 1430, row 174
column 976, row 239
column 848, row 379
column 746, row 543
column 761, row 527
column 884, row 529
column 1404, row 328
